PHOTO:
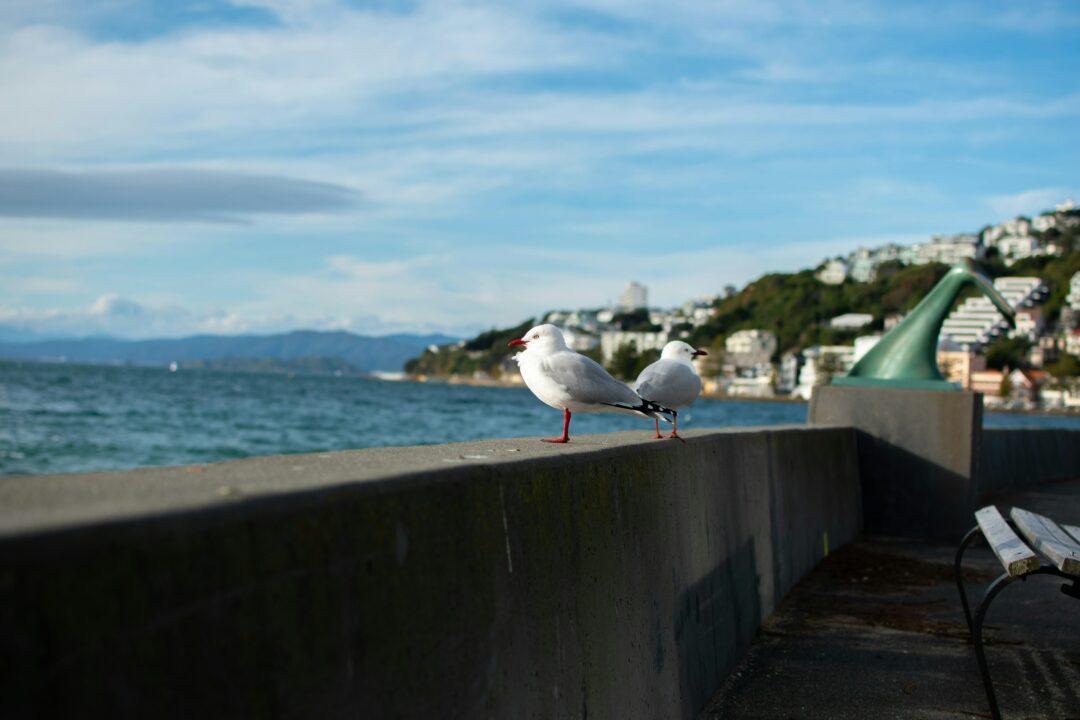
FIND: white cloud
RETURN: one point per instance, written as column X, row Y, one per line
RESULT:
column 1028, row 202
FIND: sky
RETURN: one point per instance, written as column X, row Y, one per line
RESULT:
column 253, row 166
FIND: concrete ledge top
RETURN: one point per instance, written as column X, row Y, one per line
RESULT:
column 32, row 504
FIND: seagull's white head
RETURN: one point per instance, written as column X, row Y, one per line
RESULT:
column 678, row 350
column 544, row 339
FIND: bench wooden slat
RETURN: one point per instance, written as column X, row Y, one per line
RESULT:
column 1072, row 530
column 1048, row 538
column 1016, row 557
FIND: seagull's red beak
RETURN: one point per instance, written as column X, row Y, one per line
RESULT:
column 698, row 352
column 514, row 343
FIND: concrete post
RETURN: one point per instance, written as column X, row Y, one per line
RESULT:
column 918, row 455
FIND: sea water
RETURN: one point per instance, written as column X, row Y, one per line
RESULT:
column 58, row 417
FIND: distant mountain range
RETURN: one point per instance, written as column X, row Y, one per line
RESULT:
column 386, row 353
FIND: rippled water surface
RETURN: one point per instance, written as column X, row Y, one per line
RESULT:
column 66, row 418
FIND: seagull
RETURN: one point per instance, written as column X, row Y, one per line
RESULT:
column 571, row 382
column 671, row 382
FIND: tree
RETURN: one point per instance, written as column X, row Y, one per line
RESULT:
column 624, row 361
column 1007, row 352
column 1065, row 365
column 828, row 365
column 713, row 364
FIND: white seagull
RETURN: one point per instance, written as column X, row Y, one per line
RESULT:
column 571, row 382
column 671, row 382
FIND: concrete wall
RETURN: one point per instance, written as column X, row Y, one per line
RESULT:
column 1020, row 457
column 617, row 577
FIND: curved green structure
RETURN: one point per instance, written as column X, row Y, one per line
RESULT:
column 907, row 356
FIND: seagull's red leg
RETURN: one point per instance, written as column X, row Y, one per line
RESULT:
column 658, row 435
column 674, row 426
column 565, row 429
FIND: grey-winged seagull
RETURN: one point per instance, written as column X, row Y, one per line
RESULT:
column 671, row 382
column 571, row 382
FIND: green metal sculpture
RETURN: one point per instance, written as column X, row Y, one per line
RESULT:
column 907, row 356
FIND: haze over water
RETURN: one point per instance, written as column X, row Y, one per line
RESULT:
column 71, row 418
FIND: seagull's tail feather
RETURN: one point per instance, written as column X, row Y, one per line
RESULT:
column 647, row 408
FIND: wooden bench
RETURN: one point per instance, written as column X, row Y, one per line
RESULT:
column 1058, row 546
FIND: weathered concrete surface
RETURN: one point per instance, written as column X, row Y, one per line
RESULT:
column 918, row 451
column 1021, row 457
column 877, row 632
column 615, row 577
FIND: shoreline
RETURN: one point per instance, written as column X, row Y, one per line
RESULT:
column 492, row 382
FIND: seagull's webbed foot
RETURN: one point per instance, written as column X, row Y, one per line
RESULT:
column 675, row 428
column 565, row 430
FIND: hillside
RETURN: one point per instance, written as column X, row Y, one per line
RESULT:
column 795, row 306
column 361, row 352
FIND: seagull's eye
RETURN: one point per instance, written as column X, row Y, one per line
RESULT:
column 536, row 337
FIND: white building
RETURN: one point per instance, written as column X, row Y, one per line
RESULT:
column 861, row 265
column 698, row 312
column 759, row 386
column 1043, row 223
column 750, row 348
column 1017, row 227
column 1073, row 298
column 863, row 345
column 864, row 262
column 579, row 340
column 788, row 376
column 1072, row 342
column 833, row 272
column 821, row 363
column 612, row 340
column 1013, row 247
column 851, row 321
column 977, row 321
column 1029, row 324
column 949, row 249
column 634, row 296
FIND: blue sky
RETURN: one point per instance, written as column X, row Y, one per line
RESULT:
column 168, row 168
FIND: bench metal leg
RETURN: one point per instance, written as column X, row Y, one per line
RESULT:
column 972, row 534
column 976, row 634
column 980, row 614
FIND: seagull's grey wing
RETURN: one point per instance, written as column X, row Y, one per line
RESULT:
column 669, row 383
column 587, row 382
column 651, row 380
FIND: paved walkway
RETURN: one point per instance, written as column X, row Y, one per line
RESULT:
column 876, row 631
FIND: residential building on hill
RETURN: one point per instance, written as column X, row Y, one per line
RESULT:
column 1013, row 239
column 1025, row 385
column 787, row 378
column 750, row 348
column 612, row 340
column 1029, row 324
column 977, row 321
column 863, row 345
column 821, row 363
column 833, row 272
column 987, row 382
column 1073, row 298
column 949, row 249
column 851, row 321
column 957, row 363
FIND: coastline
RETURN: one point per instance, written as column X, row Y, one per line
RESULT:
column 517, row 383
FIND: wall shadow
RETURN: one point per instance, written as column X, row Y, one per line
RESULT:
column 715, row 620
column 905, row 494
